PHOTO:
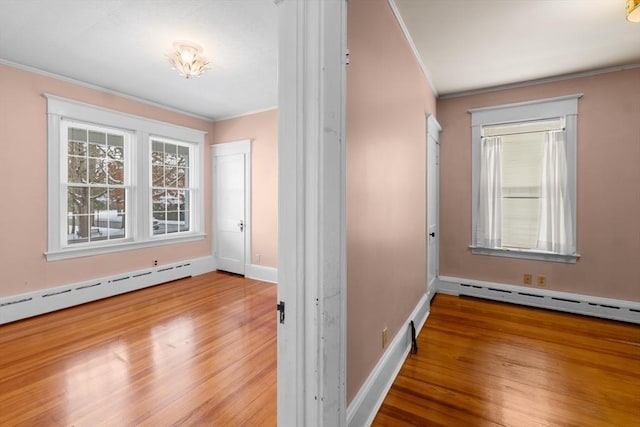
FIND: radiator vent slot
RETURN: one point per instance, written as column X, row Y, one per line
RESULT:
column 56, row 293
column 120, row 279
column 634, row 310
column 610, row 306
column 143, row 274
column 565, row 300
column 530, row 295
column 18, row 301
column 500, row 290
column 165, row 269
column 88, row 286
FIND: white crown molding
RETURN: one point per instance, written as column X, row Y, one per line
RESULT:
column 101, row 89
column 414, row 49
column 540, row 81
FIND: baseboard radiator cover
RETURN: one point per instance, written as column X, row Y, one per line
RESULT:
column 365, row 405
column 17, row 307
column 607, row 308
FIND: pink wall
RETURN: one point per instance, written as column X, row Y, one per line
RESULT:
column 387, row 99
column 262, row 130
column 23, row 177
column 608, row 229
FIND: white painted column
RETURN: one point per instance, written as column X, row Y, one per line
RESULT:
column 311, row 213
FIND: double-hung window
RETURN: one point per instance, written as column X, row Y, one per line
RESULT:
column 171, row 191
column 118, row 181
column 97, row 176
column 524, row 183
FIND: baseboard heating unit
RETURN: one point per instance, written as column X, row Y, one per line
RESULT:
column 31, row 304
column 626, row 311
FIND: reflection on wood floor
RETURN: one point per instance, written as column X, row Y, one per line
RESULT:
column 483, row 363
column 199, row 351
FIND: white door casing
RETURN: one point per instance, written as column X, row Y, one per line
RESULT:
column 433, row 180
column 231, row 165
column 311, row 214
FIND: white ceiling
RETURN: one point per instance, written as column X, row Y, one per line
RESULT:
column 120, row 45
column 474, row 44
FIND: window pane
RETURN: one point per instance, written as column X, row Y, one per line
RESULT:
column 183, row 178
column 184, row 221
column 522, row 164
column 97, row 151
column 78, row 200
column 78, row 229
column 97, row 171
column 77, row 134
column 77, row 169
column 183, row 156
column 170, row 176
column 520, row 222
column 97, row 137
column 115, row 149
column 117, row 200
column 116, row 172
column 77, row 148
column 99, row 200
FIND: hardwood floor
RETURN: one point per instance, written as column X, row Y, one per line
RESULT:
column 202, row 352
column 199, row 351
column 484, row 363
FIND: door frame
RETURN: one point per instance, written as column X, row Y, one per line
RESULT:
column 311, row 213
column 228, row 148
column 433, row 131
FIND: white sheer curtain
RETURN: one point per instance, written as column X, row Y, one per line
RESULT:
column 489, row 227
column 556, row 225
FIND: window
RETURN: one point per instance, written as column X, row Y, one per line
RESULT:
column 96, row 179
column 524, row 187
column 171, row 195
column 118, row 181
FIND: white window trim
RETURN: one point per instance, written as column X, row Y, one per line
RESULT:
column 138, row 206
column 563, row 106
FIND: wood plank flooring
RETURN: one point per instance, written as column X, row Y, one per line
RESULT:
column 483, row 363
column 202, row 352
column 199, row 351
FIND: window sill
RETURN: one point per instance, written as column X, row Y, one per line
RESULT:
column 77, row 252
column 524, row 254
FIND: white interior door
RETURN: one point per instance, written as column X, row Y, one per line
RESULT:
column 230, row 206
column 433, row 173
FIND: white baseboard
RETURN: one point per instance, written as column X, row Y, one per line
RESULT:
column 365, row 405
column 261, row 272
column 21, row 306
column 627, row 311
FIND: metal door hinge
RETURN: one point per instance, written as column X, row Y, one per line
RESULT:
column 280, row 308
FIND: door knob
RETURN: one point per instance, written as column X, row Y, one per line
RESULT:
column 432, row 234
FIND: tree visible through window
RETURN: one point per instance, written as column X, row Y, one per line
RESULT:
column 170, row 169
column 96, row 192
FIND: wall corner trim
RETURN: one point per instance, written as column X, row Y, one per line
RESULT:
column 365, row 405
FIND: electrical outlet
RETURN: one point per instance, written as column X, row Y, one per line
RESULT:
column 542, row 280
column 384, row 338
column 258, row 256
column 528, row 279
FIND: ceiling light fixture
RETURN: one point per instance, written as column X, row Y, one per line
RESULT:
column 633, row 10
column 187, row 59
